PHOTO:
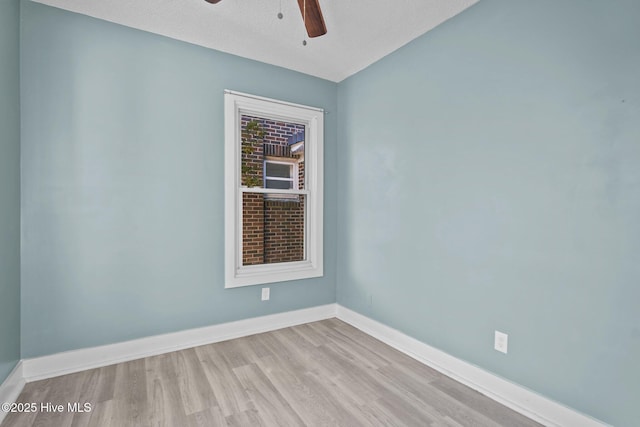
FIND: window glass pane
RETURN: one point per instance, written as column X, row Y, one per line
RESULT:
column 278, row 170
column 263, row 138
column 280, row 185
column 272, row 228
column 252, row 140
column 273, row 225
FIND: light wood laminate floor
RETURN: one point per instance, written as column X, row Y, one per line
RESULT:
column 320, row 374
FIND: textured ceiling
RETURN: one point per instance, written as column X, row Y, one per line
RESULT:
column 359, row 31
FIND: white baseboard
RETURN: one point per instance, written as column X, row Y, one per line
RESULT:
column 88, row 358
column 11, row 388
column 516, row 397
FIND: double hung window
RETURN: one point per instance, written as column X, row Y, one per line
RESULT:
column 273, row 190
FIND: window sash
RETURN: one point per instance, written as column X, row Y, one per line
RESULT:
column 272, row 191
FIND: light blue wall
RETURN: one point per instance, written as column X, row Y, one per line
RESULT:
column 123, row 183
column 9, row 186
column 489, row 178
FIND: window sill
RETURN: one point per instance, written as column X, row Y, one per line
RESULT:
column 270, row 273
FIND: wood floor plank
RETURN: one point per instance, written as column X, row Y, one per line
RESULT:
column 229, row 393
column 34, row 392
column 383, row 350
column 163, row 395
column 62, row 391
column 295, row 354
column 99, row 384
column 210, row 417
column 195, row 391
column 245, row 419
column 357, row 354
column 448, row 422
column 361, row 383
column 346, row 398
column 103, row 414
column 232, row 352
column 273, row 408
column 377, row 417
column 97, row 387
column 313, row 400
column 405, row 378
column 322, row 373
column 130, row 391
column 401, row 412
column 255, row 346
column 298, row 357
column 481, row 403
column 352, row 349
column 311, row 335
column 295, row 343
column 443, row 405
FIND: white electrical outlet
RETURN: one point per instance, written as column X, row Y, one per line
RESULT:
column 501, row 342
column 265, row 294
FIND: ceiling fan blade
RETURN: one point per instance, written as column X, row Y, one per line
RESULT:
column 313, row 20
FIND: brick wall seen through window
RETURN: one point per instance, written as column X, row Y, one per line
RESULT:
column 272, row 224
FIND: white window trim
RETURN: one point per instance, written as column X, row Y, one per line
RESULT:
column 236, row 275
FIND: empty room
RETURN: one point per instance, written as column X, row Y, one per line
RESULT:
column 320, row 213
